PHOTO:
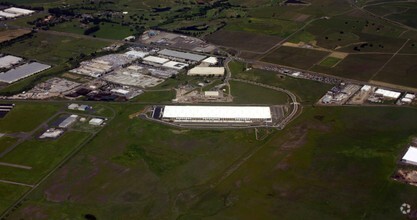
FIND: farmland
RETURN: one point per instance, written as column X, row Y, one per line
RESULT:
column 243, row 40
column 295, row 57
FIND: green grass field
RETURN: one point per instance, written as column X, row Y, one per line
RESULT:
column 164, row 172
column 26, row 117
column 244, row 93
column 308, row 91
column 329, row 61
column 155, row 97
column 52, row 49
column 6, row 142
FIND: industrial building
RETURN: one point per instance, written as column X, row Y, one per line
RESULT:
column 52, row 133
column 181, row 56
column 210, row 61
column 217, row 114
column 68, row 121
column 175, row 65
column 19, row 11
column 410, row 156
column 8, row 61
column 136, row 54
column 206, row 71
column 388, row 93
column 96, row 121
column 155, row 61
column 22, row 71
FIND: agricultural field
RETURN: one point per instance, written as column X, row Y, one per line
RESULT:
column 403, row 12
column 324, row 156
column 329, row 61
column 295, row 57
column 401, row 70
column 243, row 40
column 6, row 35
column 356, row 66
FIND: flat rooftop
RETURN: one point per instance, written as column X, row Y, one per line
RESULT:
column 411, row 155
column 22, row 71
column 182, row 55
column 217, row 112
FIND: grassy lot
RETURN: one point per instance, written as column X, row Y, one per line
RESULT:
column 243, row 40
column 356, row 66
column 152, row 162
column 281, row 28
column 244, row 93
column 113, row 31
column 26, row 117
column 155, row 96
column 324, row 167
column 308, row 91
column 164, row 172
column 9, row 194
column 400, row 70
column 295, row 57
column 52, row 49
column 5, row 142
column 41, row 155
column 329, row 62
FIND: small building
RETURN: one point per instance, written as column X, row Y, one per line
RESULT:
column 388, row 93
column 211, row 93
column 84, row 108
column 68, row 121
column 175, row 65
column 366, row 88
column 96, row 121
column 8, row 61
column 130, row 38
column 136, row 54
column 73, row 106
column 19, row 11
column 155, row 61
column 410, row 156
column 210, row 61
column 52, row 133
column 206, row 71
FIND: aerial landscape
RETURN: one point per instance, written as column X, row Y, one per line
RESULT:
column 208, row 109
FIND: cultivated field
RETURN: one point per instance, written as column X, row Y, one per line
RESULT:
column 243, row 40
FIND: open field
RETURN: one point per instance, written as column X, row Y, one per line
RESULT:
column 308, row 91
column 243, row 40
column 275, row 27
column 295, row 57
column 11, row 34
column 107, row 30
column 163, row 172
column 400, row 70
column 356, row 66
column 26, row 117
column 52, row 49
column 244, row 93
column 6, row 142
column 329, row 61
column 155, row 96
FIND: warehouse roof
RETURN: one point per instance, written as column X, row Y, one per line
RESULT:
column 19, row 11
column 211, row 60
column 22, row 71
column 7, row 15
column 175, row 65
column 216, row 112
column 411, row 155
column 154, row 59
column 136, row 54
column 202, row 70
column 388, row 93
column 8, row 61
column 182, row 55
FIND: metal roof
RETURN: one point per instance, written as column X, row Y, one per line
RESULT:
column 22, row 71
column 411, row 155
column 182, row 55
column 8, row 61
column 217, row 112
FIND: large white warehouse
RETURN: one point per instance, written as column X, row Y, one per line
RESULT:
column 217, row 114
column 206, row 71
